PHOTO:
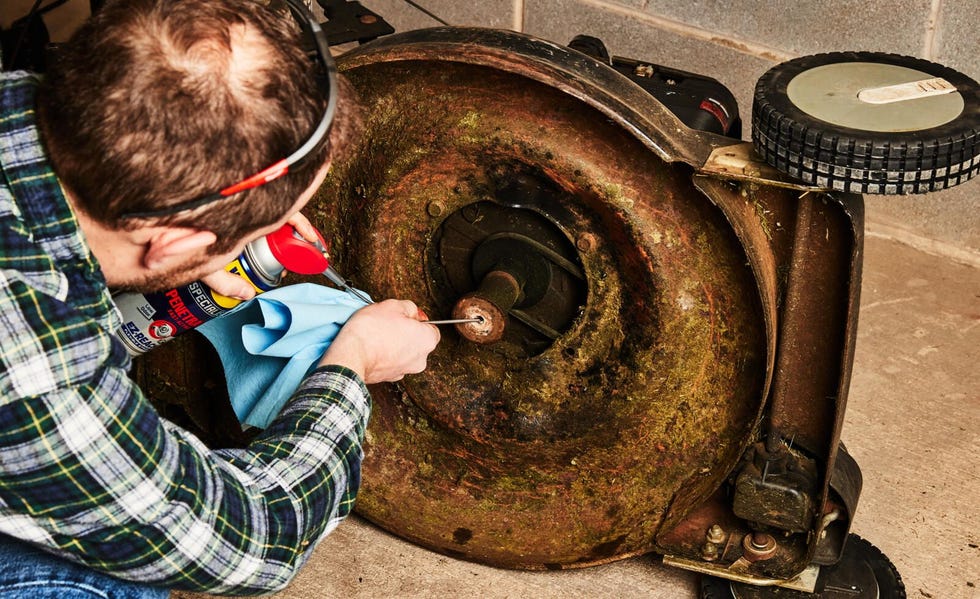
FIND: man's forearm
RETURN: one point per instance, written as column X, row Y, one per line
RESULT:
column 141, row 499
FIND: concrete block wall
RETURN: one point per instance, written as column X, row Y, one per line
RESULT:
column 736, row 41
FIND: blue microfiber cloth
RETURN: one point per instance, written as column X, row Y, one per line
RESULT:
column 268, row 344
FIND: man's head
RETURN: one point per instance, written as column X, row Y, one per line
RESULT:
column 156, row 102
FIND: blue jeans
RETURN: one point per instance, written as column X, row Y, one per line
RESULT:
column 29, row 573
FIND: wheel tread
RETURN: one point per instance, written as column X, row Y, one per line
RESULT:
column 819, row 154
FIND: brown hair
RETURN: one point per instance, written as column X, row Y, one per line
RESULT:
column 155, row 102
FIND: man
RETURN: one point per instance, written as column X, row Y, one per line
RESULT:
column 153, row 105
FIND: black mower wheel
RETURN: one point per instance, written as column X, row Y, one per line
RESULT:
column 863, row 572
column 865, row 122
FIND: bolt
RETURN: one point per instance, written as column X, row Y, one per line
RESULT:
column 759, row 546
column 716, row 534
column 643, row 70
column 367, row 19
column 435, row 208
column 709, row 552
column 585, row 242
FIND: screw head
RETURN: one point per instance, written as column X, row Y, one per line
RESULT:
column 716, row 534
column 709, row 552
column 585, row 242
column 435, row 208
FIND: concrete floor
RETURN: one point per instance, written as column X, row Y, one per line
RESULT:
column 913, row 424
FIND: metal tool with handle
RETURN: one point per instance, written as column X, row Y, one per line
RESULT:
column 454, row 321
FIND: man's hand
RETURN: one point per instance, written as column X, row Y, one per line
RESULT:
column 383, row 342
column 304, row 227
column 230, row 285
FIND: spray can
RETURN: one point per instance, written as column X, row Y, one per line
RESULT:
column 150, row 319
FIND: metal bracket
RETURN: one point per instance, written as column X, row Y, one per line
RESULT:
column 352, row 22
column 845, row 483
column 776, row 488
column 805, row 581
column 739, row 161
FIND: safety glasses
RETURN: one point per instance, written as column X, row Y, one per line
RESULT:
column 328, row 84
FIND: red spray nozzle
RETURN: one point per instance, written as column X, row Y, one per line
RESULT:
column 297, row 255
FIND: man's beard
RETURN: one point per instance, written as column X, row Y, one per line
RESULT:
column 162, row 280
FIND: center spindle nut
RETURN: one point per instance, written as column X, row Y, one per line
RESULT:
column 490, row 330
column 498, row 293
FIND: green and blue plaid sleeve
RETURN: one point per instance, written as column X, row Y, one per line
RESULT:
column 87, row 468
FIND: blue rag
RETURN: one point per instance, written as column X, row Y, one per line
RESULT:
column 268, row 344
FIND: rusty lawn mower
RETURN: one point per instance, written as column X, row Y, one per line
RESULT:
column 673, row 310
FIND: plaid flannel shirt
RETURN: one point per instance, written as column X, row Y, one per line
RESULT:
column 89, row 471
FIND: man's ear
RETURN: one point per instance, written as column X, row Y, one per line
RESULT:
column 174, row 245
